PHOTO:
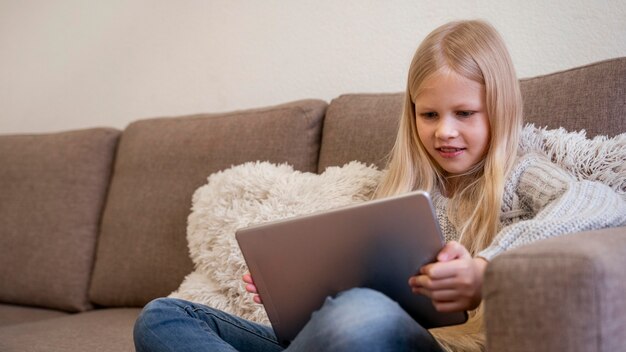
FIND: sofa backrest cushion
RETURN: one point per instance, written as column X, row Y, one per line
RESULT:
column 590, row 97
column 52, row 192
column 593, row 97
column 142, row 252
column 360, row 127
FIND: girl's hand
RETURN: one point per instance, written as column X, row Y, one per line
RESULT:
column 250, row 287
column 454, row 282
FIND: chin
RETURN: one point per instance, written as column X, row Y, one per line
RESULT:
column 456, row 171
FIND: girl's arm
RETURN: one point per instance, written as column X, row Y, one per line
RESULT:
column 558, row 205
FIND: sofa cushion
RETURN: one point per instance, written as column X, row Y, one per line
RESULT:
column 142, row 252
column 591, row 97
column 52, row 191
column 360, row 127
column 11, row 314
column 95, row 331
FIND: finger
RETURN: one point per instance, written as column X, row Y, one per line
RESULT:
column 441, row 284
column 257, row 299
column 452, row 250
column 446, row 307
column 430, row 284
column 445, row 295
column 251, row 288
column 438, row 295
column 442, row 270
column 420, row 281
column 421, row 291
column 247, row 278
column 425, row 270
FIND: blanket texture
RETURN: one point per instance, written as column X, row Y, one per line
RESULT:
column 259, row 192
column 599, row 159
column 255, row 193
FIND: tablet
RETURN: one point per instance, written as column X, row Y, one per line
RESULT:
column 296, row 263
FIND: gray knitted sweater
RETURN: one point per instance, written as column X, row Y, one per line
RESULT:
column 541, row 201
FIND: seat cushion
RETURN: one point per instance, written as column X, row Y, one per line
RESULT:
column 107, row 330
column 142, row 252
column 52, row 192
column 12, row 314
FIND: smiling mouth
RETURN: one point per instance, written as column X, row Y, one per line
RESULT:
column 449, row 152
column 449, row 149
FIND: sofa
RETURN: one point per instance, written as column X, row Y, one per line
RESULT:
column 93, row 222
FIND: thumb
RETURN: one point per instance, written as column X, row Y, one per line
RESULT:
column 452, row 250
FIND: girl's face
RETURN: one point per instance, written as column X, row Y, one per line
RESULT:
column 452, row 122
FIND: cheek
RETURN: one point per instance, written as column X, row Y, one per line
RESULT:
column 422, row 132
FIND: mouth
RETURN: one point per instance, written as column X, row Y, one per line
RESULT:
column 450, row 152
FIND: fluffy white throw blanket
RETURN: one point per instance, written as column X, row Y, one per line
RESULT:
column 599, row 159
column 249, row 194
column 260, row 192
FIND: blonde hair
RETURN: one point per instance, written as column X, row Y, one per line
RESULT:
column 474, row 50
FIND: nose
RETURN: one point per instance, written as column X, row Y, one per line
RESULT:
column 446, row 129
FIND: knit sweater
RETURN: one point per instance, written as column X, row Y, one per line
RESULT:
column 541, row 201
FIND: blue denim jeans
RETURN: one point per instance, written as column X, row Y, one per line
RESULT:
column 355, row 320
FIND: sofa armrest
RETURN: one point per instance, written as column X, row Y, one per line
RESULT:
column 562, row 294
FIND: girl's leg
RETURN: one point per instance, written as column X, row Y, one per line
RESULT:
column 168, row 324
column 363, row 320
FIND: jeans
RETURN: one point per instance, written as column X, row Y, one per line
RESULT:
column 355, row 320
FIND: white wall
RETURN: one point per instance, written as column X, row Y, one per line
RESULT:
column 68, row 64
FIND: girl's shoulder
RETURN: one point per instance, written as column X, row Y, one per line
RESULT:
column 533, row 161
column 542, row 161
column 536, row 168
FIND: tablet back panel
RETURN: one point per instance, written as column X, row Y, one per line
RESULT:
column 296, row 263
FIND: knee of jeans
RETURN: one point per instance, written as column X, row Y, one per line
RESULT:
column 151, row 317
column 168, row 302
column 158, row 304
column 358, row 317
column 152, row 312
column 361, row 307
column 365, row 299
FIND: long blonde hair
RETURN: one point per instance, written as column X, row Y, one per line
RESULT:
column 474, row 50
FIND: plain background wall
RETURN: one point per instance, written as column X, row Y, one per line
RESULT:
column 69, row 64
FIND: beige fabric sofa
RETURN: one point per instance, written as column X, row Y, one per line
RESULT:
column 92, row 222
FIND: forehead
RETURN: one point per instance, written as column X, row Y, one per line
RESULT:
column 446, row 83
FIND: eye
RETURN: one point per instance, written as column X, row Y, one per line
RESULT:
column 465, row 113
column 428, row 115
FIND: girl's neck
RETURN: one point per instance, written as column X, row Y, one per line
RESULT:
column 456, row 183
column 450, row 186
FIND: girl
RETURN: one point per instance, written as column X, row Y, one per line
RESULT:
column 458, row 139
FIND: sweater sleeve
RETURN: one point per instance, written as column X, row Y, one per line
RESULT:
column 560, row 205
